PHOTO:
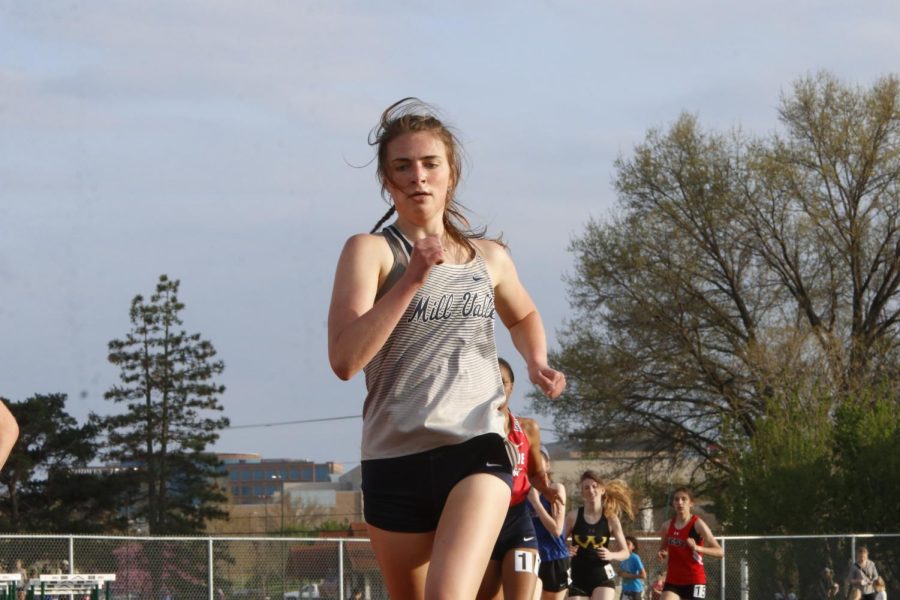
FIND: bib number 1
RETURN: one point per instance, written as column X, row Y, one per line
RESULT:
column 610, row 572
column 527, row 562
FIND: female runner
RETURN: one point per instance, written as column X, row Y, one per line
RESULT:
column 513, row 568
column 685, row 541
column 414, row 306
column 549, row 521
column 592, row 527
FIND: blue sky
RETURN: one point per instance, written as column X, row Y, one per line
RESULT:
column 224, row 144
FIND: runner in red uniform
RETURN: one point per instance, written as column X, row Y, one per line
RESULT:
column 514, row 561
column 686, row 540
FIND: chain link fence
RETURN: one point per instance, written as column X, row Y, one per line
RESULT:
column 788, row 567
column 265, row 568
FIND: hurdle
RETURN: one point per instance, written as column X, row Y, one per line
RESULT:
column 9, row 584
column 80, row 583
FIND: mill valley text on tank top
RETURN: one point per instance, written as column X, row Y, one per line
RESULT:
column 436, row 381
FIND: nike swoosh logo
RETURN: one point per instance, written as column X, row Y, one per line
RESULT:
column 477, row 277
column 493, row 465
column 528, row 539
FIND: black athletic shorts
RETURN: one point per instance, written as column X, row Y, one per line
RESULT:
column 517, row 532
column 588, row 590
column 688, row 591
column 554, row 575
column 587, row 577
column 407, row 493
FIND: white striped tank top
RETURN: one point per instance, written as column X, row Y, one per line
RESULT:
column 435, row 382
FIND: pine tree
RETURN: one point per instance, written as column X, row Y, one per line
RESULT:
column 167, row 382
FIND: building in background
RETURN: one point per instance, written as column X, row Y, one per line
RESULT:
column 286, row 496
column 251, row 479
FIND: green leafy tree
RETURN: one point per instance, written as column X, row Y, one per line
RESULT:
column 167, row 384
column 783, row 476
column 47, row 489
column 810, row 470
column 866, row 457
column 738, row 269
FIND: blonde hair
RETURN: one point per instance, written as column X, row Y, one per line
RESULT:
column 879, row 584
column 855, row 594
column 617, row 496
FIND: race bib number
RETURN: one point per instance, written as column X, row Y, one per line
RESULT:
column 610, row 572
column 699, row 591
column 527, row 562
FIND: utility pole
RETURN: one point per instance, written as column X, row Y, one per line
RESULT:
column 281, row 498
column 282, row 543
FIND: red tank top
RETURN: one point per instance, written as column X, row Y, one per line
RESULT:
column 685, row 565
column 520, row 471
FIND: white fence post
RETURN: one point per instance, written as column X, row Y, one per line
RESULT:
column 210, row 555
column 745, row 579
column 71, row 555
column 722, row 572
column 341, row 594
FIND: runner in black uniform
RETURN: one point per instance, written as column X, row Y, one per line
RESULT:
column 591, row 528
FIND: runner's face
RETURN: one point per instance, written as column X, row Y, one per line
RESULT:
column 591, row 490
column 418, row 175
column 682, row 503
column 507, row 382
